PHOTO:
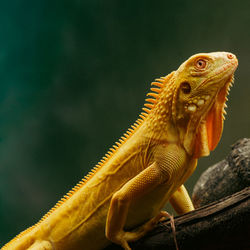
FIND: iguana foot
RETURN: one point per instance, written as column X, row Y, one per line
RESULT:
column 147, row 227
column 122, row 238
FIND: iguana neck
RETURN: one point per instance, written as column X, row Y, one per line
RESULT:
column 159, row 122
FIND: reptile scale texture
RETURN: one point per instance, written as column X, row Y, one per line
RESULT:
column 182, row 120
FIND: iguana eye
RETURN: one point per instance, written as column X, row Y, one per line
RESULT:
column 200, row 64
column 185, row 87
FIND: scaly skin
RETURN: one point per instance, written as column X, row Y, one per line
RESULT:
column 183, row 120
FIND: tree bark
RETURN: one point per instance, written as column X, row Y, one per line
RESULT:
column 226, row 177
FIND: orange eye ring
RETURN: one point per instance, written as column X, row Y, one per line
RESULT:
column 201, row 64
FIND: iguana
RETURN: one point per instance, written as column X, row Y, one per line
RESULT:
column 122, row 198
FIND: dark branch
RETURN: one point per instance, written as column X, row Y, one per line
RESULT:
column 220, row 225
column 225, row 177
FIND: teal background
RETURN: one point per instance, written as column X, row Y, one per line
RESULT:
column 73, row 77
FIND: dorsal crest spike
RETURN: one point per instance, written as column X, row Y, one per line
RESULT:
column 157, row 90
column 152, row 94
column 142, row 116
column 161, row 79
column 158, row 84
column 150, row 100
column 136, row 124
column 146, row 110
column 149, row 105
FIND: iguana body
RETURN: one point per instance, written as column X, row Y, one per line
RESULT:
column 182, row 122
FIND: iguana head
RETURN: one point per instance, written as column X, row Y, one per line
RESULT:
column 201, row 86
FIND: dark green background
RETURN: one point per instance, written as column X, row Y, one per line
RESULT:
column 73, row 77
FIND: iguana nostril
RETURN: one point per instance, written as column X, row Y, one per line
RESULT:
column 230, row 56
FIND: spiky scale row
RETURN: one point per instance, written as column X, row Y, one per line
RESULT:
column 159, row 82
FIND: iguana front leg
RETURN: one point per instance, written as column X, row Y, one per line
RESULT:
column 140, row 185
column 181, row 201
column 168, row 159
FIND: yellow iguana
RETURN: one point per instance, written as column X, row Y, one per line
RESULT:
column 183, row 120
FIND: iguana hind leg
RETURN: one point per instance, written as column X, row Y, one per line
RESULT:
column 181, row 201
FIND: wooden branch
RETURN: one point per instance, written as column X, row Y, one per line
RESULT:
column 225, row 177
column 224, row 224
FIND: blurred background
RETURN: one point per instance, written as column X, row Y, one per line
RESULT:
column 73, row 77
